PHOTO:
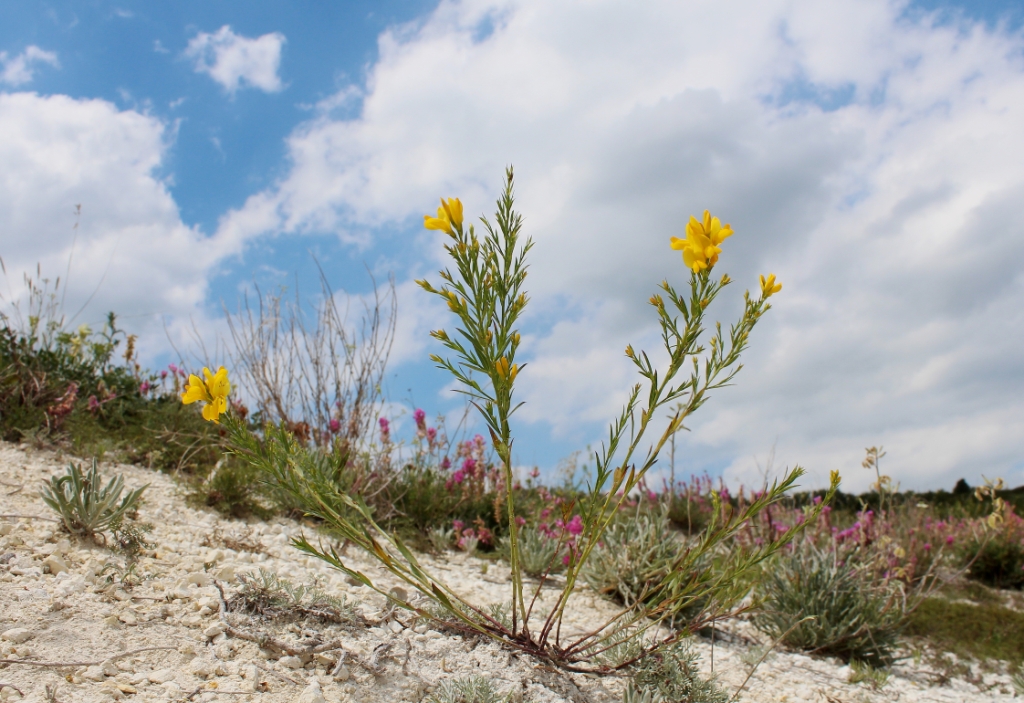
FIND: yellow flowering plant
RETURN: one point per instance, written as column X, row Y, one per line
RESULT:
column 213, row 390
column 484, row 290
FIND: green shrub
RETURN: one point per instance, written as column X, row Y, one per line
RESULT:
column 996, row 559
column 855, row 616
column 84, row 506
column 423, row 501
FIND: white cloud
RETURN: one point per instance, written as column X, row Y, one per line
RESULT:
column 233, row 60
column 18, row 70
column 131, row 253
column 890, row 219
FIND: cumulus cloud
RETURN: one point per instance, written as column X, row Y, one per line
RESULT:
column 233, row 60
column 130, row 252
column 868, row 155
column 18, row 70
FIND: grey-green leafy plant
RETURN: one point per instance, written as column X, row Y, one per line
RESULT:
column 1017, row 681
column 267, row 595
column 670, row 675
column 856, row 616
column 441, row 539
column 538, row 553
column 861, row 672
column 470, row 689
column 636, row 556
column 85, row 506
column 485, row 292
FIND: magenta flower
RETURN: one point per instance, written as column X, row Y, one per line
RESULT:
column 575, row 525
column 420, row 418
column 385, row 431
column 334, row 425
column 446, row 464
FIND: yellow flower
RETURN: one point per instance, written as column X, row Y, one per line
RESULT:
column 701, row 246
column 450, row 213
column 213, row 391
column 440, row 222
column 453, row 208
column 769, row 287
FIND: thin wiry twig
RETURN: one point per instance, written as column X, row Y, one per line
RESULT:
column 29, row 517
column 58, row 665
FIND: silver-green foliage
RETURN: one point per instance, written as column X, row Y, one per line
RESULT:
column 670, row 675
column 538, row 553
column 470, row 689
column 855, row 615
column 85, row 506
column 269, row 596
column 636, row 555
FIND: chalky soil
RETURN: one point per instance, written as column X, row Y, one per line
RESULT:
column 166, row 639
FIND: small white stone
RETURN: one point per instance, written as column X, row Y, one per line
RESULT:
column 128, row 618
column 326, row 659
column 199, row 578
column 109, row 668
column 290, row 662
column 5, row 529
column 161, row 676
column 202, row 668
column 342, row 674
column 213, row 630
column 17, row 635
column 94, row 673
column 312, row 694
column 55, row 564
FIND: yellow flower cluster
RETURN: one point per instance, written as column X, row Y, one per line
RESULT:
column 701, row 246
column 213, row 391
column 448, row 215
column 769, row 287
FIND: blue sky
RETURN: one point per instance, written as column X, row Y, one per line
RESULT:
column 857, row 148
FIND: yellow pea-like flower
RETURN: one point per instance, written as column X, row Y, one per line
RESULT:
column 213, row 392
column 701, row 246
column 453, row 208
column 441, row 222
column 768, row 286
column 449, row 214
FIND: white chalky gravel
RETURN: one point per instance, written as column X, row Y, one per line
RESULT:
column 56, row 606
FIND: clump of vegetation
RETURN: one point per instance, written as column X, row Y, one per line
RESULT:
column 638, row 552
column 540, row 552
column 86, row 507
column 471, row 689
column 670, row 675
column 815, row 602
column 268, row 596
